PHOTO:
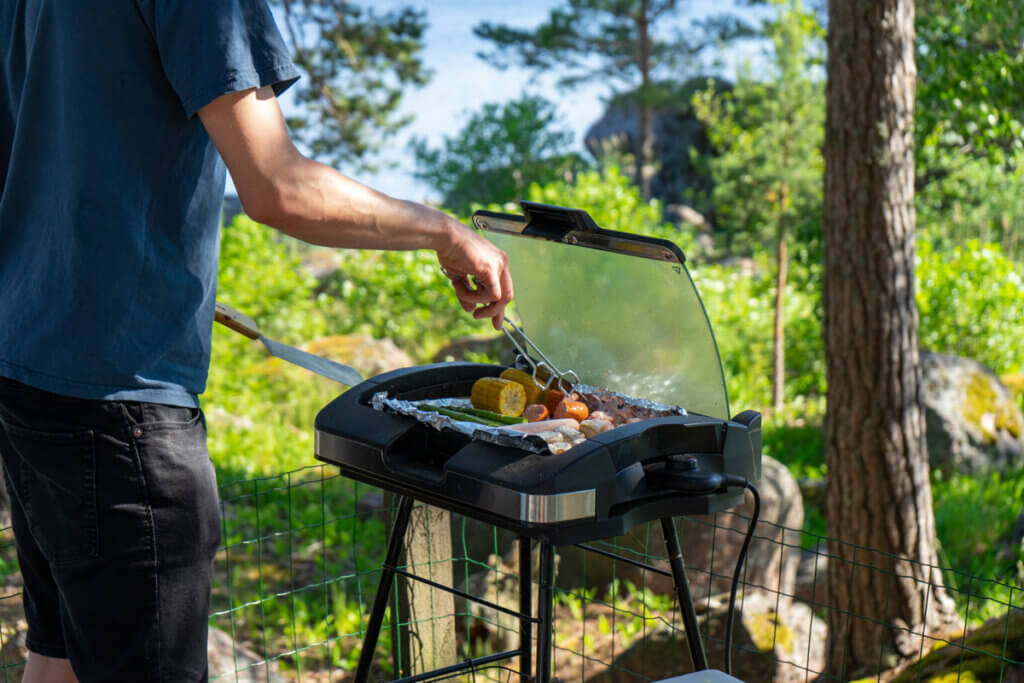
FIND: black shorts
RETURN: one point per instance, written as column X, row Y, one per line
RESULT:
column 115, row 512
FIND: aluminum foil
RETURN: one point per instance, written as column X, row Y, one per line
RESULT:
column 507, row 437
column 494, row 435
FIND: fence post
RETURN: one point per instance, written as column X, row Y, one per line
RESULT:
column 427, row 638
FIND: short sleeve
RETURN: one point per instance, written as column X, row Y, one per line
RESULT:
column 209, row 48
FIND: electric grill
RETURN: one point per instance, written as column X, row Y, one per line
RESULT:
column 623, row 313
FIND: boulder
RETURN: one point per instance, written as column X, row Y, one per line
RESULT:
column 676, row 131
column 767, row 645
column 973, row 421
column 231, row 661
column 991, row 652
column 711, row 545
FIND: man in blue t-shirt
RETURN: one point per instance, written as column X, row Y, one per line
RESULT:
column 114, row 118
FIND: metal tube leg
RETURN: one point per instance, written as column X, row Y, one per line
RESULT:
column 380, row 600
column 526, row 608
column 545, row 609
column 675, row 560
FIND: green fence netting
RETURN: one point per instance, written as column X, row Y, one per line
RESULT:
column 300, row 561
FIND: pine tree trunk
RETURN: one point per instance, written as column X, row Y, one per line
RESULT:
column 779, row 335
column 885, row 589
column 643, row 147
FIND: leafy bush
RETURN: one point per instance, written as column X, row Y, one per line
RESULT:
column 402, row 296
column 741, row 309
column 971, row 301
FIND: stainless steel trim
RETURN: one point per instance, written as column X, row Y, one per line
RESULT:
column 549, row 508
column 558, row 507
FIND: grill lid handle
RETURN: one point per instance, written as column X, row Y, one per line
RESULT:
column 555, row 222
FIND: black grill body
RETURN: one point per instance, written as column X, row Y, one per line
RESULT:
column 601, row 488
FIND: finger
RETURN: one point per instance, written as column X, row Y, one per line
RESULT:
column 475, row 295
column 495, row 310
column 463, row 293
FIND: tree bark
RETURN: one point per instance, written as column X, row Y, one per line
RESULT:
column 779, row 335
column 886, row 590
column 644, row 109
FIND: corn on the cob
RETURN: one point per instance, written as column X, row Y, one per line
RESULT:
column 533, row 390
column 498, row 395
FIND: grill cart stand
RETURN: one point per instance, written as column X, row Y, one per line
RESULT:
column 544, row 619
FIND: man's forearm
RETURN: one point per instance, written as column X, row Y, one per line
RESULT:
column 317, row 204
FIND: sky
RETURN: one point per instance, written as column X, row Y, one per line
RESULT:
column 462, row 82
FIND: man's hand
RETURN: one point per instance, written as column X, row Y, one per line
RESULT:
column 281, row 188
column 479, row 273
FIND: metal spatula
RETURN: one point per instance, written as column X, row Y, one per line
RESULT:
column 232, row 319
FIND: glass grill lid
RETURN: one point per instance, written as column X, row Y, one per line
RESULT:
column 619, row 309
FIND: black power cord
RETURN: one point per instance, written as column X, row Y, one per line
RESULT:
column 737, row 482
column 680, row 473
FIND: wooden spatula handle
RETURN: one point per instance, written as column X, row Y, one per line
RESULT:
column 232, row 319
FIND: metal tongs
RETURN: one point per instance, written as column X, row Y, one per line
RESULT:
column 524, row 345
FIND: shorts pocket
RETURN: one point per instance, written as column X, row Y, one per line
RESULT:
column 54, row 475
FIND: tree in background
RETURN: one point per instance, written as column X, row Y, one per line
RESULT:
column 883, row 570
column 499, row 149
column 357, row 64
column 613, row 41
column 970, row 121
column 767, row 167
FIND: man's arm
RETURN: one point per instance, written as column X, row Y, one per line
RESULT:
column 280, row 187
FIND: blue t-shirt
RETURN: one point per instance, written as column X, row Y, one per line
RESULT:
column 110, row 188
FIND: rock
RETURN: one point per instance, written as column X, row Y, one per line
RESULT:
column 973, row 422
column 230, row 660
column 1011, row 546
column 766, row 645
column 985, row 654
column 676, row 131
column 812, row 577
column 711, row 546
column 371, row 503
column 322, row 263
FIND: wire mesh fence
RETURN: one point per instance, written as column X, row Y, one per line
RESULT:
column 300, row 562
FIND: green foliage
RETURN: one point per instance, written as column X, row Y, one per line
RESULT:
column 260, row 420
column 357, row 64
column 499, row 150
column 969, row 121
column 969, row 197
column 971, row 303
column 970, row 70
column 740, row 307
column 591, row 40
column 402, row 296
column 973, row 519
column 767, row 133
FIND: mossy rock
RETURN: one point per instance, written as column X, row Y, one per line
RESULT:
column 989, row 653
column 986, row 409
column 972, row 419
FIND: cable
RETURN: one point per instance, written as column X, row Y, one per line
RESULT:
column 739, row 481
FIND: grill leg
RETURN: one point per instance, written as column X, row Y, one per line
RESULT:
column 675, row 559
column 526, row 608
column 380, row 600
column 545, row 607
